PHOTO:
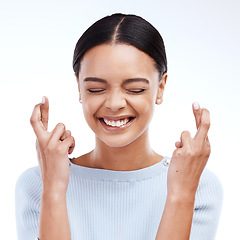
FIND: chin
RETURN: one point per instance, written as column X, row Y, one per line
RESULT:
column 118, row 141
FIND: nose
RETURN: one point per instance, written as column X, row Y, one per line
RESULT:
column 115, row 100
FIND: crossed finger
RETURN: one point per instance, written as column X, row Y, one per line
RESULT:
column 36, row 122
column 44, row 111
column 202, row 117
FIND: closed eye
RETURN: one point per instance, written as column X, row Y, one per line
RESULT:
column 136, row 91
column 97, row 90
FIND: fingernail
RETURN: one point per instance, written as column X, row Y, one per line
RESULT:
column 43, row 100
column 196, row 105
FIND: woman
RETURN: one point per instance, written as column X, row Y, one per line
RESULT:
column 122, row 189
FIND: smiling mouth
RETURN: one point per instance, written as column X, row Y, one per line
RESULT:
column 117, row 123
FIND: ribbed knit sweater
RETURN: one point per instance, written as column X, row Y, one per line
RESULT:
column 117, row 205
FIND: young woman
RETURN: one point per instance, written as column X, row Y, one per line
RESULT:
column 122, row 189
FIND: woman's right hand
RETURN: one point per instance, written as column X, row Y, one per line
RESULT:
column 52, row 149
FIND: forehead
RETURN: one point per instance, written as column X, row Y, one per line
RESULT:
column 120, row 61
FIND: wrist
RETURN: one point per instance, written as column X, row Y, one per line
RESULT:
column 181, row 198
column 53, row 194
column 53, row 187
column 52, row 203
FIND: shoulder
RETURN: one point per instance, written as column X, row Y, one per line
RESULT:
column 28, row 184
column 210, row 184
column 208, row 204
column 31, row 174
column 27, row 203
column 209, row 195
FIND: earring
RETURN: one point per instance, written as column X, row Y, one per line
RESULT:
column 159, row 101
column 80, row 100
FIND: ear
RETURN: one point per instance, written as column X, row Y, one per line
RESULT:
column 80, row 99
column 161, row 88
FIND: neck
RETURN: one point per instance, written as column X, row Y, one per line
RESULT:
column 135, row 155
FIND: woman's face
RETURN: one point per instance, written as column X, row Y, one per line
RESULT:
column 119, row 86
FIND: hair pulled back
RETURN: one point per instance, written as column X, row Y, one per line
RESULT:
column 123, row 29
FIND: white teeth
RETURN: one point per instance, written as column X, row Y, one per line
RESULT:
column 117, row 123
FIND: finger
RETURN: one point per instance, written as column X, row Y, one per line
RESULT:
column 178, row 144
column 71, row 148
column 41, row 163
column 35, row 121
column 66, row 134
column 57, row 133
column 69, row 144
column 39, row 154
column 197, row 111
column 44, row 109
column 185, row 138
column 204, row 126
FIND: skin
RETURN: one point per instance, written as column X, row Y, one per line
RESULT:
column 115, row 95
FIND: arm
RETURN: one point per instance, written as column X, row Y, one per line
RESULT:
column 53, row 222
column 52, row 148
column 176, row 219
column 187, row 164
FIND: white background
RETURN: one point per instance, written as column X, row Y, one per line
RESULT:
column 202, row 38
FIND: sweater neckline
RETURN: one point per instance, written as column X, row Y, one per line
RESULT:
column 113, row 175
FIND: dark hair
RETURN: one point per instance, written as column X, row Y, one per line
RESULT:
column 123, row 29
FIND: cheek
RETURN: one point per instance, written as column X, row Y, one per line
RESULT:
column 90, row 107
column 144, row 106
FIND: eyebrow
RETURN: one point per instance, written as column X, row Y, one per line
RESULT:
column 93, row 79
column 136, row 80
column 130, row 80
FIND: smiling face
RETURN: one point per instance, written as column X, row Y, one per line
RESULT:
column 119, row 86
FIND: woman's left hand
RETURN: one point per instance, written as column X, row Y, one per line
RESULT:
column 190, row 158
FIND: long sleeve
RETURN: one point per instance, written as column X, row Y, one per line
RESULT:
column 27, row 204
column 208, row 204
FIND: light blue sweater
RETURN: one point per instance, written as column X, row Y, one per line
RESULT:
column 113, row 205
